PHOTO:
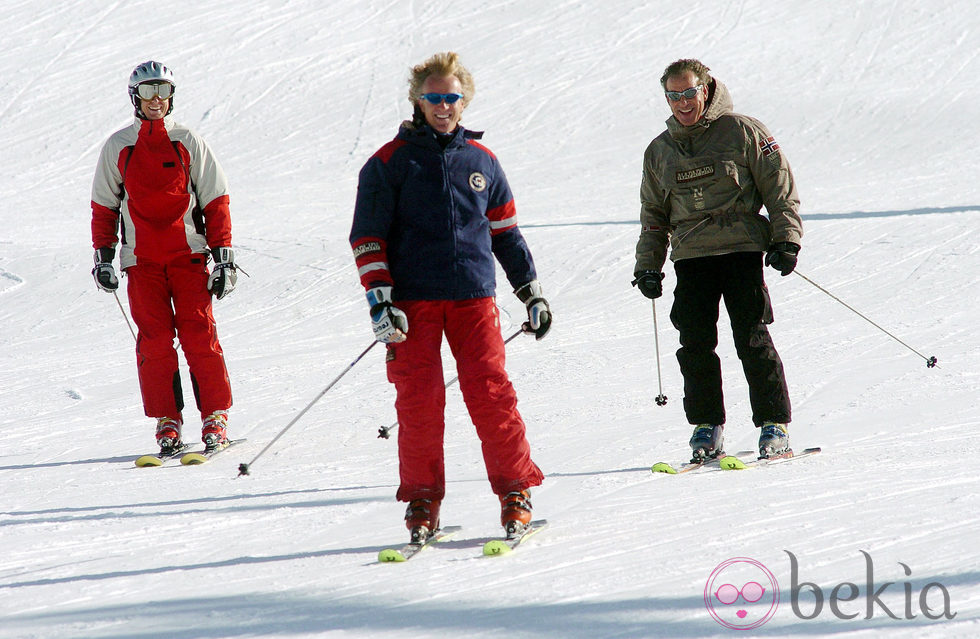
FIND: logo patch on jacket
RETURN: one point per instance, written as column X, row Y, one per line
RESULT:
column 768, row 146
column 478, row 182
column 695, row 174
column 367, row 247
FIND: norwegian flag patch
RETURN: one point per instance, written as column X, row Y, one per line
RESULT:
column 768, row 146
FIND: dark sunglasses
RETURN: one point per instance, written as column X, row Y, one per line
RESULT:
column 436, row 98
column 686, row 93
column 147, row 91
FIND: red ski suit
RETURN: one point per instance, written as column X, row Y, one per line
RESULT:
column 158, row 185
column 429, row 221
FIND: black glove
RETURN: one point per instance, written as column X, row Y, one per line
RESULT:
column 224, row 275
column 650, row 283
column 104, row 274
column 782, row 257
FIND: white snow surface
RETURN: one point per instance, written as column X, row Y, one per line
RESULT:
column 874, row 103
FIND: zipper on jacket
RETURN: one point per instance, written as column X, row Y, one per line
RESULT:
column 453, row 214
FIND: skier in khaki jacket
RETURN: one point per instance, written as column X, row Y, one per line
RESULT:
column 705, row 180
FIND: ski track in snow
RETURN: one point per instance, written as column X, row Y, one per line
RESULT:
column 293, row 99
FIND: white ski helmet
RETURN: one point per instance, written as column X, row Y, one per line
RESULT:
column 150, row 71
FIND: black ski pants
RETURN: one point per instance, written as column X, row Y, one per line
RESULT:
column 702, row 283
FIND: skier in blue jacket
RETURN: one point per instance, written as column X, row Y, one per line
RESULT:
column 433, row 212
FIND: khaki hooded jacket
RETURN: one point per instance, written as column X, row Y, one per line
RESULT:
column 704, row 186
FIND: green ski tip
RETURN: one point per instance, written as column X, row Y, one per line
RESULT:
column 495, row 547
column 193, row 459
column 390, row 555
column 663, row 467
column 732, row 463
column 149, row 460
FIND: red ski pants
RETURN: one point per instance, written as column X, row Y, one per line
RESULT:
column 472, row 329
column 167, row 301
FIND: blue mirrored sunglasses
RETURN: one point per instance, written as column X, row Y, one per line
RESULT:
column 686, row 93
column 436, row 98
column 147, row 91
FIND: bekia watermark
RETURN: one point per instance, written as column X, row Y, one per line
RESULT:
column 847, row 591
column 742, row 593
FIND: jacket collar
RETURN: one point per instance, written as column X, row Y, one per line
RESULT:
column 719, row 104
column 139, row 123
column 427, row 137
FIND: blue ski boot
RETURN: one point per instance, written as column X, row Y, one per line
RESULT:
column 707, row 442
column 773, row 439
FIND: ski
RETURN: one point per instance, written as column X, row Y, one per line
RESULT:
column 506, row 545
column 204, row 456
column 777, row 459
column 409, row 550
column 726, row 462
column 150, row 461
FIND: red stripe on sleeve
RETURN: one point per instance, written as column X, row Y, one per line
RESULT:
column 502, row 218
column 371, row 257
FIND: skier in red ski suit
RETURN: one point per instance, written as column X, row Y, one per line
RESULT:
column 433, row 210
column 159, row 187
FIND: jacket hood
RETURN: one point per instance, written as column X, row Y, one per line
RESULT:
column 719, row 104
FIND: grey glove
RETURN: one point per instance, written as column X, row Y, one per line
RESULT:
column 390, row 324
column 538, row 310
column 224, row 275
column 104, row 273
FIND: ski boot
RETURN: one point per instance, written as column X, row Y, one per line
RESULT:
column 422, row 518
column 515, row 511
column 707, row 442
column 168, row 435
column 214, row 432
column 773, row 440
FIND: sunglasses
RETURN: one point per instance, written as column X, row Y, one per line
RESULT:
column 436, row 98
column 147, row 91
column 751, row 592
column 686, row 93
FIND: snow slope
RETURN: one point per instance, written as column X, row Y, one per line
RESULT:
column 875, row 104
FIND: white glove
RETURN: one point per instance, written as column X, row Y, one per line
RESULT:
column 390, row 323
column 104, row 274
column 538, row 310
column 224, row 275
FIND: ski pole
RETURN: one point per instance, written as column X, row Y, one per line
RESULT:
column 243, row 469
column 385, row 431
column 661, row 398
column 125, row 317
column 930, row 361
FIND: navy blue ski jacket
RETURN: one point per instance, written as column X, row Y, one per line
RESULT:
column 429, row 220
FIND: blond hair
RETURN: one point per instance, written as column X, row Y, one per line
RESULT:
column 440, row 65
